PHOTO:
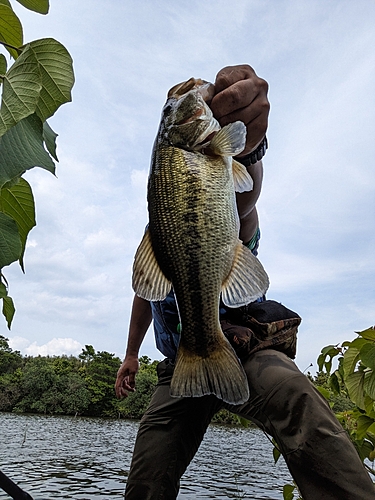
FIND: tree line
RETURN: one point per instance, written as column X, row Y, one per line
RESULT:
column 71, row 385
column 84, row 385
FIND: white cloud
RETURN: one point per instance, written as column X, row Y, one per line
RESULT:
column 55, row 347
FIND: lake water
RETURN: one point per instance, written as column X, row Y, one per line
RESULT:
column 85, row 459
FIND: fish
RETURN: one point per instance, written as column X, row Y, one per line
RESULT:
column 191, row 243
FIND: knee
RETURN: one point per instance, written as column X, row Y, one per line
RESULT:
column 297, row 414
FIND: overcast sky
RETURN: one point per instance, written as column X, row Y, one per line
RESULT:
column 318, row 201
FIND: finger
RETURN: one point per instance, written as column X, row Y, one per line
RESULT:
column 247, row 94
column 123, row 386
column 232, row 74
column 237, row 96
column 121, row 378
column 131, row 381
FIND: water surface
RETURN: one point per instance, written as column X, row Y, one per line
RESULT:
column 85, row 458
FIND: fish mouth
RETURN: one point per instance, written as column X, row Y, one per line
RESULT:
column 206, row 89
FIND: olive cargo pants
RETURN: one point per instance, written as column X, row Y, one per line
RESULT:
column 283, row 402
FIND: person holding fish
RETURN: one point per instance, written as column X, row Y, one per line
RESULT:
column 196, row 275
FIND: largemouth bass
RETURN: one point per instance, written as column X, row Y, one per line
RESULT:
column 192, row 243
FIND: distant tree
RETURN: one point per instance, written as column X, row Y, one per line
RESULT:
column 75, row 394
column 9, row 360
column 99, row 371
column 39, row 386
column 10, row 374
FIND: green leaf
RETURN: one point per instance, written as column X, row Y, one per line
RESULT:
column 320, row 361
column 276, row 454
column 21, row 90
column 10, row 241
column 371, row 429
column 3, row 66
column 10, row 29
column 49, row 137
column 18, row 203
column 56, row 66
column 363, row 423
column 369, row 406
column 368, row 334
column 351, row 358
column 3, row 291
column 368, row 355
column 328, row 365
column 323, row 391
column 358, row 343
column 334, row 383
column 21, row 148
column 244, row 422
column 8, row 310
column 364, row 449
column 369, row 384
column 288, row 491
column 355, row 385
column 331, row 351
column 40, row 6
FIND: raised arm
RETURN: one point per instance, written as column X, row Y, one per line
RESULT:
column 140, row 320
column 241, row 95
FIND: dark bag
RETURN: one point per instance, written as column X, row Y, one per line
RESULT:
column 261, row 325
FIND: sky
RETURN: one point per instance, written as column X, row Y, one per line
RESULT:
column 318, row 200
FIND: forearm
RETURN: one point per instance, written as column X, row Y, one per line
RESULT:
column 246, row 204
column 140, row 321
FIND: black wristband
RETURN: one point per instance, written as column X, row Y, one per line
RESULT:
column 255, row 155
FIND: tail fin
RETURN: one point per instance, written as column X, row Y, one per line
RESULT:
column 221, row 374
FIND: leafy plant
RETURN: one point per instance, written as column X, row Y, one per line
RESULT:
column 355, row 377
column 34, row 86
column 350, row 391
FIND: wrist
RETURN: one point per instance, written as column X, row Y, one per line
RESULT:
column 255, row 155
column 130, row 353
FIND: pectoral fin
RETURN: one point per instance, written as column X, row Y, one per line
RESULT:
column 230, row 140
column 241, row 177
column 148, row 280
column 247, row 280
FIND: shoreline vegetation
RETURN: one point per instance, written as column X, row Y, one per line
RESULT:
column 76, row 385
column 84, row 386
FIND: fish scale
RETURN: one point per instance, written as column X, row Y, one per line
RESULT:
column 192, row 243
column 186, row 241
